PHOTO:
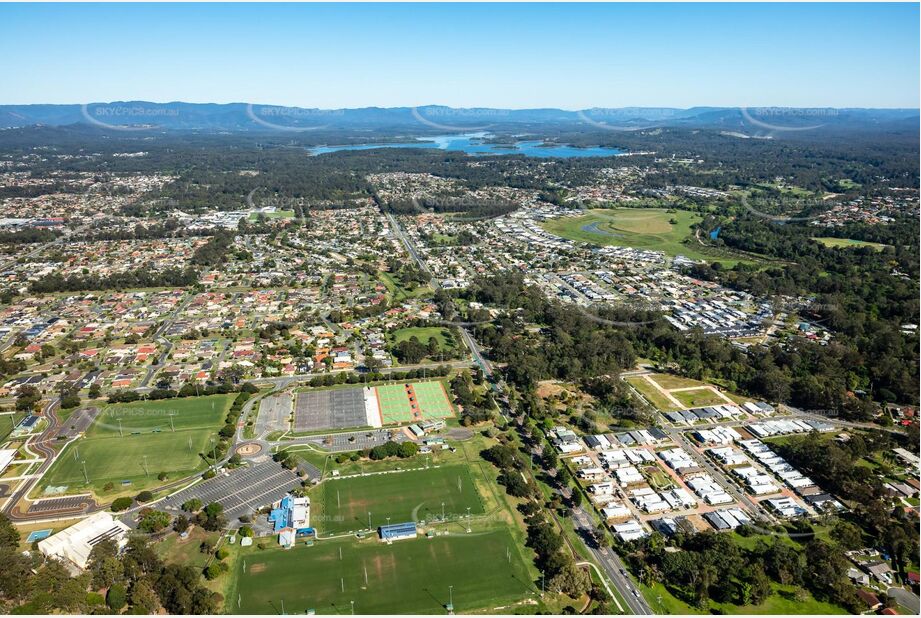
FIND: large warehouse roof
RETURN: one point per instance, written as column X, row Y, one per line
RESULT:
column 74, row 544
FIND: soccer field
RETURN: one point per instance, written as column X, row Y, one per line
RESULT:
column 133, row 455
column 402, row 496
column 413, row 402
column 407, row 577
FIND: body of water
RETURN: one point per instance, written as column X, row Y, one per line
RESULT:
column 474, row 144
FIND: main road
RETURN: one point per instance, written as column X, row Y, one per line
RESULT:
column 609, row 560
column 612, row 564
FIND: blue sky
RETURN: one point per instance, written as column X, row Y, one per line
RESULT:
column 511, row 55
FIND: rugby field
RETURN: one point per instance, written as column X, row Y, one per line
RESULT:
column 414, row 495
column 406, row 577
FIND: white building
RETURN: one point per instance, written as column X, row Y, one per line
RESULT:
column 6, row 457
column 74, row 544
column 629, row 530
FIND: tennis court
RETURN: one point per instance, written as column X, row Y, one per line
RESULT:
column 330, row 409
column 413, row 402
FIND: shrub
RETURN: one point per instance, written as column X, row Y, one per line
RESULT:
column 144, row 496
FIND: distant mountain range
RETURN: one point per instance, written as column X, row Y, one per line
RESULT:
column 239, row 117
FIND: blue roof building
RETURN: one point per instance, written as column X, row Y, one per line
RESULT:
column 395, row 532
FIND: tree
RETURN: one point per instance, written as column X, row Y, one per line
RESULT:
column 191, row 505
column 847, row 535
column 104, row 564
column 570, row 580
column 120, row 504
column 549, row 459
column 143, row 598
column 9, row 536
column 16, row 574
column 116, row 598
column 144, row 496
column 181, row 524
column 576, row 497
column 70, row 401
column 154, row 521
column 211, row 518
column 408, row 449
column 246, row 531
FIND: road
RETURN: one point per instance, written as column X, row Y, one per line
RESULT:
column 612, row 564
column 471, row 343
column 43, row 447
column 163, row 341
column 906, row 598
column 678, row 437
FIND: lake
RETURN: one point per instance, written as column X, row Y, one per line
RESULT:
column 473, row 144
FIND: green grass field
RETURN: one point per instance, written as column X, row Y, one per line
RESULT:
column 697, row 399
column 431, row 402
column 406, row 577
column 641, row 228
column 781, row 602
column 278, row 214
column 424, row 333
column 8, row 422
column 398, row 291
column 657, row 399
column 153, row 416
column 117, row 455
column 847, row 243
column 415, row 495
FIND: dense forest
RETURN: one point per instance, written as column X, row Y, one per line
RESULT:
column 574, row 345
column 863, row 296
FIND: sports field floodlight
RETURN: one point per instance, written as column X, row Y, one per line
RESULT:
column 353, row 607
column 85, row 475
